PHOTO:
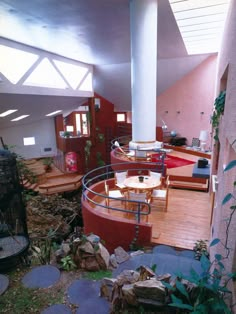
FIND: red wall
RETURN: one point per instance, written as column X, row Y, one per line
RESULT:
column 191, row 95
column 113, row 230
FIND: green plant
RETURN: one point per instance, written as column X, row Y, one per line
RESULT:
column 66, row 134
column 67, row 263
column 200, row 248
column 98, row 275
column 207, row 292
column 87, row 150
column 100, row 162
column 218, row 110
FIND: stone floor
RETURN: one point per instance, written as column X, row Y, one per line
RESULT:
column 85, row 293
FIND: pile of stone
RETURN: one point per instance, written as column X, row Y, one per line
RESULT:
column 88, row 253
column 132, row 289
column 47, row 213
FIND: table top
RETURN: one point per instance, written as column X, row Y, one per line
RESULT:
column 149, row 182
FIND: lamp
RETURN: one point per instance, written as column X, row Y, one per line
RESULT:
column 203, row 138
column 164, row 126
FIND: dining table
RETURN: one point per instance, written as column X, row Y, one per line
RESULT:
column 147, row 183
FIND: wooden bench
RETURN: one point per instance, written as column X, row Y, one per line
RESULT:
column 190, row 183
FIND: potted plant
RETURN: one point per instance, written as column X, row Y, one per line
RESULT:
column 47, row 162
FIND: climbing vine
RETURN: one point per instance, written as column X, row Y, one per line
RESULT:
column 218, row 111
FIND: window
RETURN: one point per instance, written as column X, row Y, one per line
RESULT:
column 82, row 123
column 29, row 141
column 121, row 117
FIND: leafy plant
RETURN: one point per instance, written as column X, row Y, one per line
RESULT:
column 207, row 292
column 200, row 248
column 219, row 107
column 68, row 263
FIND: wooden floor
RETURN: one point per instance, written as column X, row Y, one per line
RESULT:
column 187, row 218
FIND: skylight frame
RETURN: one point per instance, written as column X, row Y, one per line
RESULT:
column 201, row 23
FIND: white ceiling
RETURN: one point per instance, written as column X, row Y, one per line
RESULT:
column 91, row 31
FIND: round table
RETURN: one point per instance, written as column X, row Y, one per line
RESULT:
column 148, row 183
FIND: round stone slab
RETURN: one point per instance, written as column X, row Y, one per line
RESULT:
column 83, row 289
column 96, row 305
column 4, row 283
column 41, row 277
column 57, row 309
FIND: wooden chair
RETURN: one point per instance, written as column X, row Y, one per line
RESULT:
column 137, row 197
column 119, row 179
column 161, row 195
column 155, row 174
column 113, row 194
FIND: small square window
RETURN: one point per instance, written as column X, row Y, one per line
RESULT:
column 29, row 141
column 120, row 117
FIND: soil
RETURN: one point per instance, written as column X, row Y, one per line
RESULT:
column 17, row 299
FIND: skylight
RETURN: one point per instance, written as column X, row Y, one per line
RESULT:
column 15, row 63
column 6, row 113
column 72, row 73
column 45, row 75
column 53, row 113
column 20, row 117
column 201, row 23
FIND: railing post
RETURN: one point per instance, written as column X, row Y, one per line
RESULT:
column 139, row 205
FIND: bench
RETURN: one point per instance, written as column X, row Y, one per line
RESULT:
column 190, row 183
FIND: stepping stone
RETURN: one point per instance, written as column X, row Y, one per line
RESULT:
column 41, row 277
column 4, row 283
column 187, row 253
column 57, row 309
column 83, row 289
column 94, row 305
column 164, row 249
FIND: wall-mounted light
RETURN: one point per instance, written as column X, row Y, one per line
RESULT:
column 97, row 104
column 166, row 111
column 178, row 112
column 202, row 112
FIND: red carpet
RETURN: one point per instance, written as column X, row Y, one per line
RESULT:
column 174, row 162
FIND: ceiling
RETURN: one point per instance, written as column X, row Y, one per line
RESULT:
column 91, row 31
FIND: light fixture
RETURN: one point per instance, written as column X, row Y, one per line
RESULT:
column 203, row 138
column 164, row 126
column 53, row 113
column 20, row 117
column 6, row 113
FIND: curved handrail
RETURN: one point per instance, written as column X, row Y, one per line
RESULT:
column 106, row 172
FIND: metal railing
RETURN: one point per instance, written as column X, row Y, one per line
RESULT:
column 104, row 173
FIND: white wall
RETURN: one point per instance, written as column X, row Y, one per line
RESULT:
column 42, row 130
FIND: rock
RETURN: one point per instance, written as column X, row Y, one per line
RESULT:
column 93, row 238
column 127, row 277
column 91, row 264
column 106, row 287
column 86, row 247
column 129, row 295
column 103, row 257
column 165, row 277
column 65, row 248
column 135, row 253
column 146, row 273
column 113, row 261
column 150, row 289
column 121, row 255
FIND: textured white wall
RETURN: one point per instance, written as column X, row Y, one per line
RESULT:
column 44, row 134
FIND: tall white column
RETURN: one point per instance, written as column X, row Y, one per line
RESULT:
column 143, row 30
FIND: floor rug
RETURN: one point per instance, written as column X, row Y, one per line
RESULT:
column 174, row 162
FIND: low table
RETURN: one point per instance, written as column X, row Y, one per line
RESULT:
column 201, row 172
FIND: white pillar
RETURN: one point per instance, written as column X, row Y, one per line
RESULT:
column 143, row 30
